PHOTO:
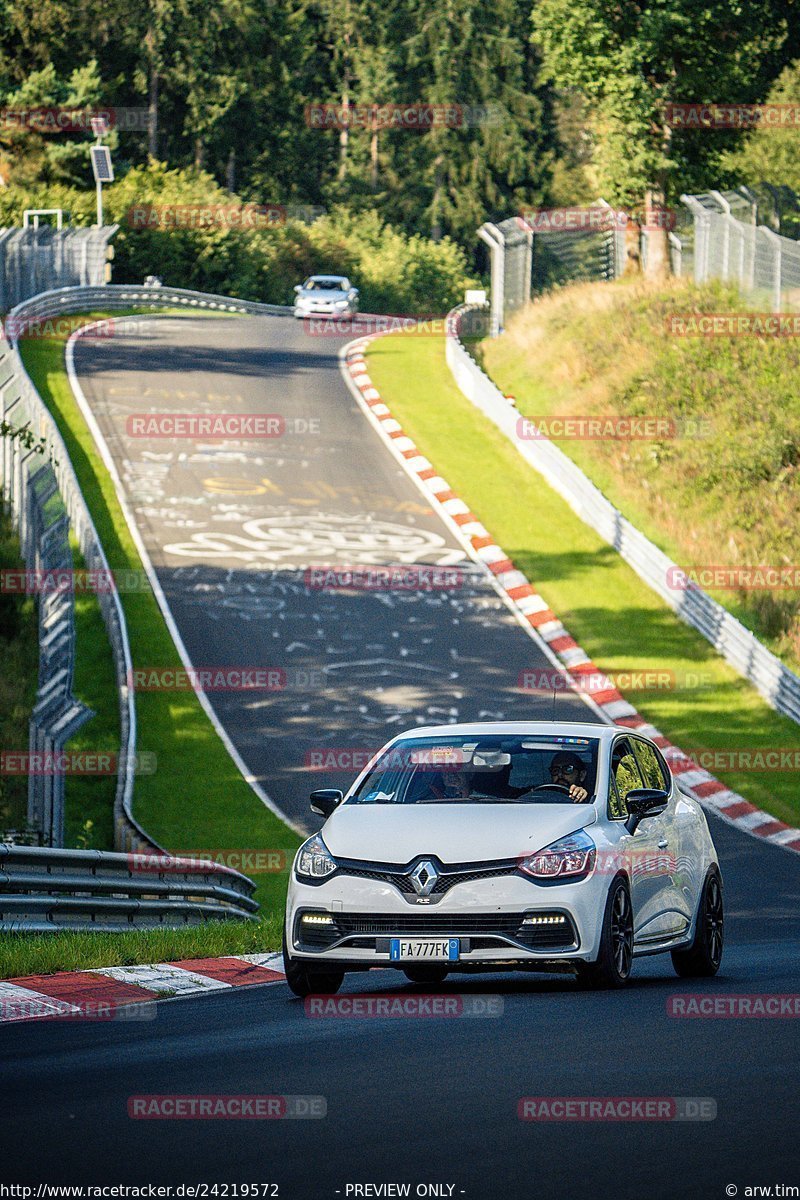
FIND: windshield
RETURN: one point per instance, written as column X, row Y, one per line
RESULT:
column 324, row 285
column 482, row 770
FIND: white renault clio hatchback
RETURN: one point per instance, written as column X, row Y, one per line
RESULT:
column 501, row 846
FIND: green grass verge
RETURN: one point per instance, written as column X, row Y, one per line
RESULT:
column 196, row 799
column 41, row 954
column 623, row 625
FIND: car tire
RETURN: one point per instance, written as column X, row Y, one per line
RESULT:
column 425, row 973
column 310, row 979
column 702, row 958
column 612, row 968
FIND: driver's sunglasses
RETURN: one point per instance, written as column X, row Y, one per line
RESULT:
column 563, row 768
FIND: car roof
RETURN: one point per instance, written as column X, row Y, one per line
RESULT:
column 339, row 277
column 548, row 728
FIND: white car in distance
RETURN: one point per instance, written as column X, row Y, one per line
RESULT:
column 326, row 296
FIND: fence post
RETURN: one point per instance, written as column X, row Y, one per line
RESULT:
column 726, row 239
column 493, row 238
column 775, row 242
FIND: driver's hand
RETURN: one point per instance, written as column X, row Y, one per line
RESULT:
column 578, row 793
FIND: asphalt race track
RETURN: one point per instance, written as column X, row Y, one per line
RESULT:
column 233, row 527
column 420, row 1100
column 409, row 1100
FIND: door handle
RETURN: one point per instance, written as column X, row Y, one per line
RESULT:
column 663, row 845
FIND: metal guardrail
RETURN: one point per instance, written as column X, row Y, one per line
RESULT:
column 43, row 890
column 22, row 406
column 63, row 301
column 779, row 686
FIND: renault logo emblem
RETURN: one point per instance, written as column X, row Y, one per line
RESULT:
column 423, row 878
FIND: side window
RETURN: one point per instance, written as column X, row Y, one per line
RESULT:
column 649, row 765
column 624, row 778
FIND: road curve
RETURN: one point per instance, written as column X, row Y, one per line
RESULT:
column 409, row 1101
column 233, row 527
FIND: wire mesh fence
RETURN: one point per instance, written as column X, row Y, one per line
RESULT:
column 748, row 238
column 730, row 246
column 30, row 493
column 38, row 259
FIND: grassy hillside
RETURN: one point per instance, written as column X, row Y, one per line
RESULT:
column 726, row 489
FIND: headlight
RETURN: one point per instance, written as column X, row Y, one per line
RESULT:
column 341, row 304
column 571, row 857
column 314, row 861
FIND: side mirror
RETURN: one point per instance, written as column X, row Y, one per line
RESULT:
column 324, row 801
column 353, row 293
column 298, row 287
column 644, row 802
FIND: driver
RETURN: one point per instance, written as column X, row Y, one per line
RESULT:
column 567, row 771
column 453, row 785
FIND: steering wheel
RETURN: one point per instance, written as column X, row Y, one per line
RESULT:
column 550, row 787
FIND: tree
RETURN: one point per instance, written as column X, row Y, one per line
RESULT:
column 473, row 58
column 769, row 154
column 629, row 60
column 42, row 151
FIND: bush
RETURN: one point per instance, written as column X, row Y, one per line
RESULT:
column 394, row 272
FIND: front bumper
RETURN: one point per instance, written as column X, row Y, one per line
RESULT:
column 511, row 920
column 305, row 308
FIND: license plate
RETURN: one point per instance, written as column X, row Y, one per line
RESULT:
column 424, row 949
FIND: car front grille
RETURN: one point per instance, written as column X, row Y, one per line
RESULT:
column 399, row 876
column 365, row 929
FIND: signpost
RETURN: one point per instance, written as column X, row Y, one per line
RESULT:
column 102, row 166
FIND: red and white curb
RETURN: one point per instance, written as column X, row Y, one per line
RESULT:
column 542, row 623
column 113, row 993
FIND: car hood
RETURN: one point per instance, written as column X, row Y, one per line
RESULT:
column 453, row 833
